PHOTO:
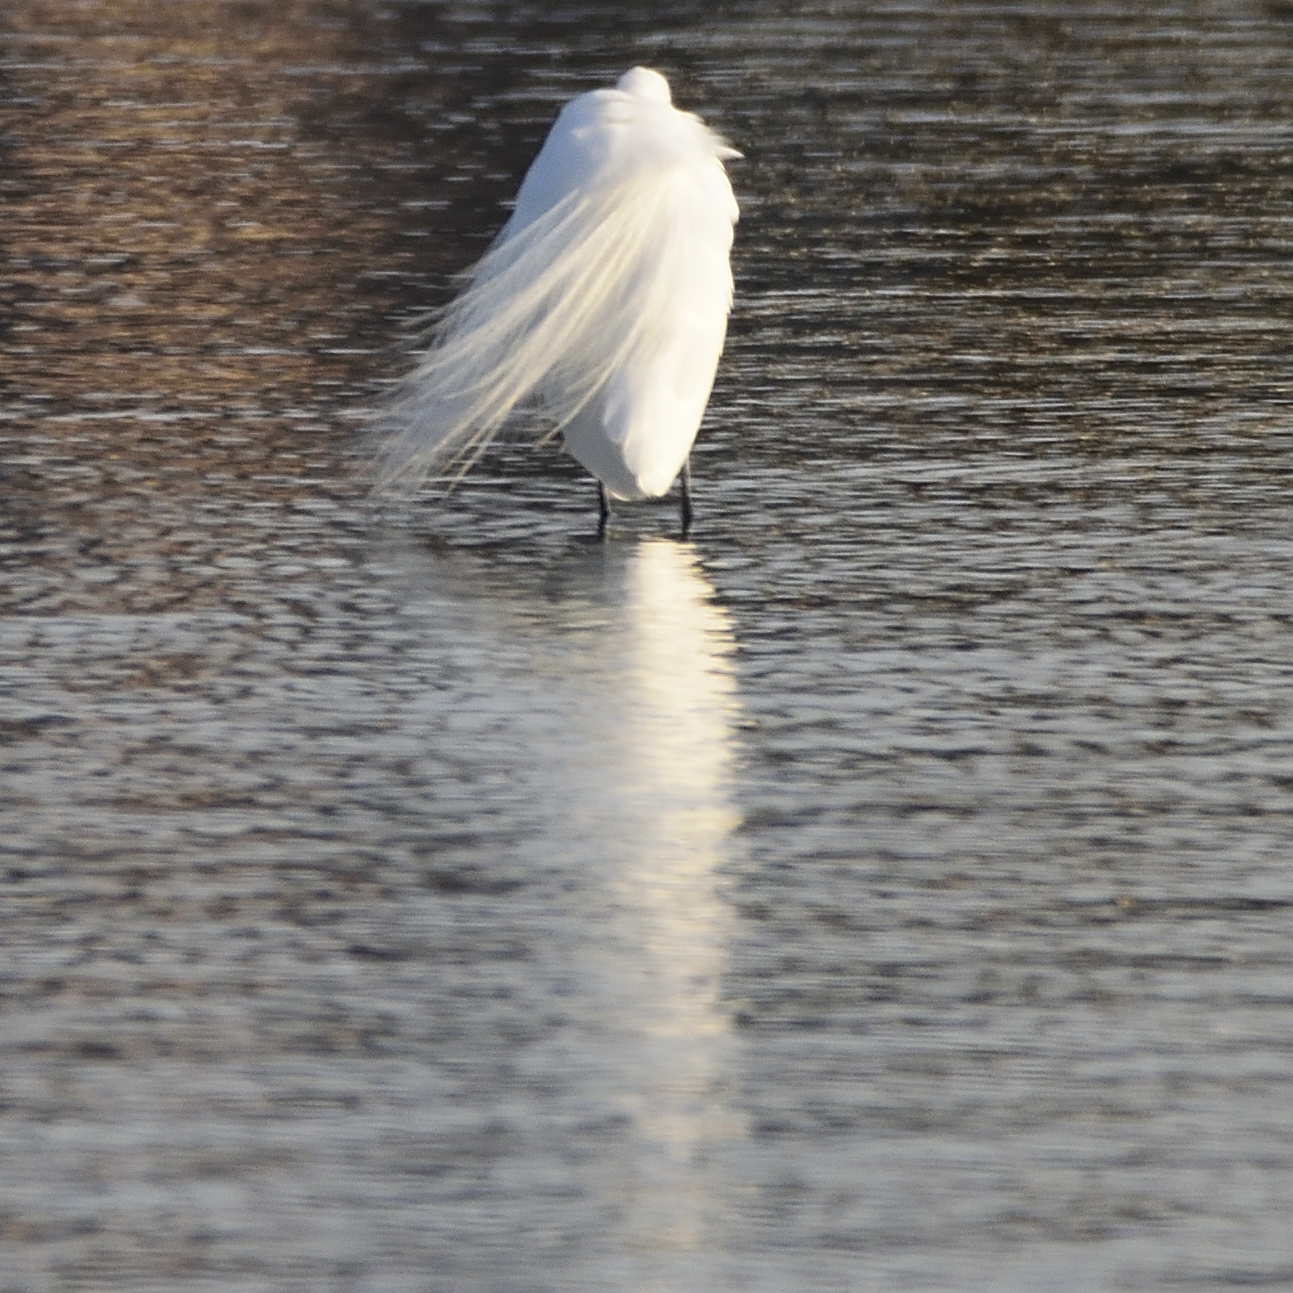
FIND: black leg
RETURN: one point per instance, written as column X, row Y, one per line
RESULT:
column 687, row 512
column 603, row 510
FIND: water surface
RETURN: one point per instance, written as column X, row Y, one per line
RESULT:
column 886, row 889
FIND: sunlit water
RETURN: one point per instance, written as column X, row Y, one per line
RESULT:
column 888, row 889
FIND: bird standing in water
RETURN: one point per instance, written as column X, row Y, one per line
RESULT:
column 603, row 301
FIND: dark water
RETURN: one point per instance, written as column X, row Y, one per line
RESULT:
column 888, row 889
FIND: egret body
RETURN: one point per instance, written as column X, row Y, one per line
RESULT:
column 603, row 302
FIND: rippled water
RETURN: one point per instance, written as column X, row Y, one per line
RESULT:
column 888, row 889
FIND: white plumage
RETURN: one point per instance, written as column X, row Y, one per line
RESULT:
column 603, row 301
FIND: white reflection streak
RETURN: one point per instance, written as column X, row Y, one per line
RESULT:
column 608, row 711
column 677, row 750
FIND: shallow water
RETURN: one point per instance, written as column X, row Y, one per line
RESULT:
column 887, row 889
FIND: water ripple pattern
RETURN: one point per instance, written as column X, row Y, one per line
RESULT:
column 888, row 889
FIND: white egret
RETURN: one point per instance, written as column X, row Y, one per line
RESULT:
column 603, row 302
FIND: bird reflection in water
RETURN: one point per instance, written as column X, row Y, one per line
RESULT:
column 668, row 937
column 606, row 708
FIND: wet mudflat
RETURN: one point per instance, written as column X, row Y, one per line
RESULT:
column 887, row 889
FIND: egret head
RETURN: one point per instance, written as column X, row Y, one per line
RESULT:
column 644, row 83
